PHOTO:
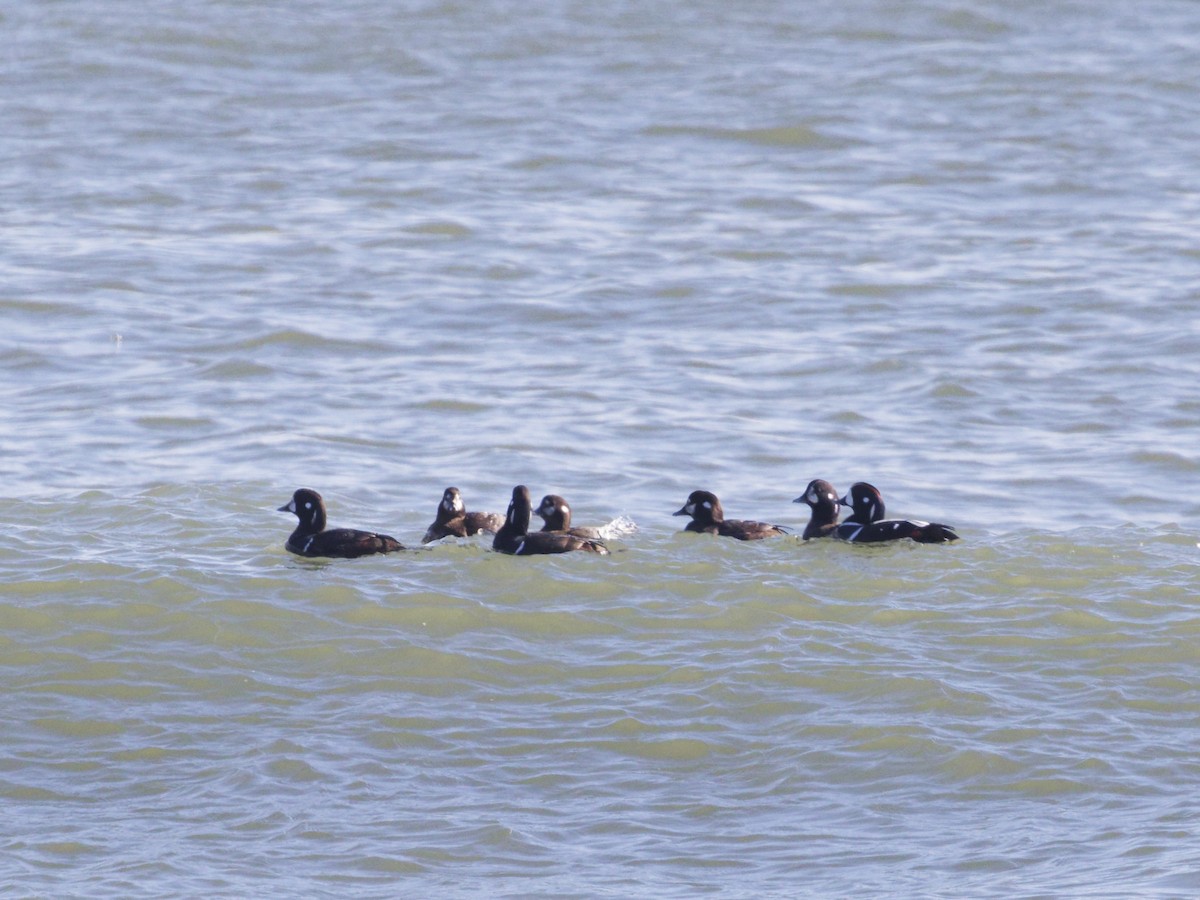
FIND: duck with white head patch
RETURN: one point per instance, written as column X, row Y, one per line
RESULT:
column 709, row 518
column 867, row 525
column 312, row 539
column 823, row 500
column 556, row 514
column 453, row 520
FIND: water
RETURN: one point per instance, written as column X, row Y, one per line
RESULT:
column 614, row 253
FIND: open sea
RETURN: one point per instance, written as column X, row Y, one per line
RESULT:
column 616, row 252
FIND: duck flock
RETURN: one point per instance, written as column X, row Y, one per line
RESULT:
column 866, row 524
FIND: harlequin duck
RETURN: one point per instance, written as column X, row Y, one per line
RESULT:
column 454, row 520
column 311, row 539
column 557, row 517
column 514, row 536
column 709, row 518
column 867, row 524
column 823, row 501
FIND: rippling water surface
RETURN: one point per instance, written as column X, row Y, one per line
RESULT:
column 616, row 253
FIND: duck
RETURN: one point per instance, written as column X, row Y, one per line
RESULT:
column 556, row 516
column 453, row 520
column 312, row 539
column 515, row 538
column 824, row 503
column 709, row 518
column 867, row 525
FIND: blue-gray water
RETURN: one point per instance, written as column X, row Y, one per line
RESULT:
column 617, row 252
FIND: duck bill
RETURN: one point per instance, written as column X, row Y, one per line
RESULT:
column 290, row 506
column 681, row 512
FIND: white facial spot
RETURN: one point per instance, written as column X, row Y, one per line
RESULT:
column 706, row 505
column 291, row 507
column 566, row 508
column 831, row 496
column 690, row 508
